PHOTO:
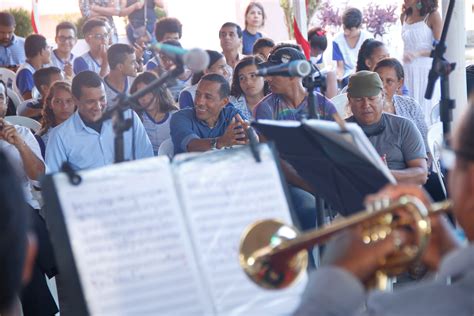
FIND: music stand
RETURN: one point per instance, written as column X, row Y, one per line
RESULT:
column 339, row 170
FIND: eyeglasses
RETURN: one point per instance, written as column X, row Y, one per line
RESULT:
column 63, row 39
column 100, row 36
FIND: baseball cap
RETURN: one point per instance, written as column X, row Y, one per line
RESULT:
column 283, row 55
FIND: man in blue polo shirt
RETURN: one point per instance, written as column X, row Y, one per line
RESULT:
column 86, row 143
column 12, row 51
column 210, row 124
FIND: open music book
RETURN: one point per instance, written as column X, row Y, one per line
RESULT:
column 154, row 237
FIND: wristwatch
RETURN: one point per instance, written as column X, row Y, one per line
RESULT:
column 214, row 143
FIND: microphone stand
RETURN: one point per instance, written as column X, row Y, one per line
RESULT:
column 442, row 68
column 311, row 83
column 116, row 112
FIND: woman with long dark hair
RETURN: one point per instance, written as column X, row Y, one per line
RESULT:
column 247, row 88
column 155, row 109
column 58, row 106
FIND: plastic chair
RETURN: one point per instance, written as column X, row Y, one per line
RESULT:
column 7, row 76
column 12, row 95
column 435, row 116
column 166, row 148
column 24, row 121
column 340, row 102
column 435, row 142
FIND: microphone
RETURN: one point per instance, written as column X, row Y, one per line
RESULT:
column 296, row 68
column 195, row 59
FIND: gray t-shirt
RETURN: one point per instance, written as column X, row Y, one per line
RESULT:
column 396, row 138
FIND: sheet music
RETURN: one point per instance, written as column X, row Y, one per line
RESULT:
column 129, row 241
column 362, row 144
column 223, row 193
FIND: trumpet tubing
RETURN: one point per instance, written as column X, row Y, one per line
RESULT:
column 274, row 255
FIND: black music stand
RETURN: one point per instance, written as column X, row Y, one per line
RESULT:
column 341, row 174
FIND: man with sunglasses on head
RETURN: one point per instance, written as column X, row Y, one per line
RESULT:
column 62, row 57
column 96, row 35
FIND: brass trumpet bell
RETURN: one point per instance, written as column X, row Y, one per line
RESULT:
column 261, row 238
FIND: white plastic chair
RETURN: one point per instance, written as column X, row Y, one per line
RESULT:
column 435, row 115
column 340, row 102
column 12, row 95
column 435, row 143
column 7, row 76
column 24, row 121
column 166, row 148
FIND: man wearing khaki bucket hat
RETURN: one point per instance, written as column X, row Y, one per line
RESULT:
column 395, row 138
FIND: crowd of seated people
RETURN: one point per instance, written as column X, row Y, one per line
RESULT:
column 196, row 112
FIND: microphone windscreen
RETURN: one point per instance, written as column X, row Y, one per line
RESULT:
column 196, row 59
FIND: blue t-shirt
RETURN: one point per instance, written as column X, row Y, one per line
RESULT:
column 248, row 40
column 24, row 78
column 274, row 107
column 185, row 127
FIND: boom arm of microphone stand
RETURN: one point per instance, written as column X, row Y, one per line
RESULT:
column 125, row 100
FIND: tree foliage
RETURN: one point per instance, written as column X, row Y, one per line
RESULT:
column 23, row 21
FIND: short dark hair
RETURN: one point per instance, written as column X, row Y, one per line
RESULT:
column 13, row 239
column 224, row 89
column 34, row 44
column 66, row 26
column 261, row 43
column 87, row 79
column 117, row 54
column 366, row 50
column 391, row 63
column 232, row 24
column 167, row 25
column 352, row 17
column 258, row 5
column 317, row 38
column 7, row 19
column 235, row 89
column 92, row 23
column 42, row 77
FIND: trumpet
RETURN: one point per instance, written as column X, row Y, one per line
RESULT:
column 274, row 255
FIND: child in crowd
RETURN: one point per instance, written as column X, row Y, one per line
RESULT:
column 96, row 35
column 38, row 53
column 347, row 43
column 155, row 109
column 62, row 57
column 263, row 46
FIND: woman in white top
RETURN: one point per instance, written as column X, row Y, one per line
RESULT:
column 155, row 109
column 247, row 88
column 422, row 25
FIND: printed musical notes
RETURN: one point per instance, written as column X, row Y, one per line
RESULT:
column 129, row 241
